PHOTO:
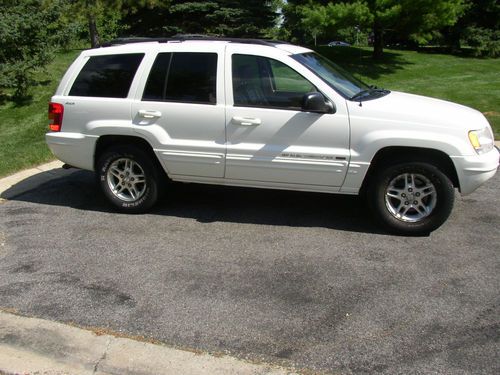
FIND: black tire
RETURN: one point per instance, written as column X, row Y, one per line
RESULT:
column 138, row 163
column 420, row 211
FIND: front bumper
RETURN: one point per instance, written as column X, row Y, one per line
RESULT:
column 75, row 149
column 475, row 170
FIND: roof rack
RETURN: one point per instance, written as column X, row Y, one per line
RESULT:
column 187, row 37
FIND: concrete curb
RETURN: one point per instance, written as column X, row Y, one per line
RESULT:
column 36, row 346
column 30, row 345
column 28, row 179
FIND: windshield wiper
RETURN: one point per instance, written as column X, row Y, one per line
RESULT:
column 368, row 92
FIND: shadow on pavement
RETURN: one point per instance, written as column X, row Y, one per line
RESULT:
column 206, row 203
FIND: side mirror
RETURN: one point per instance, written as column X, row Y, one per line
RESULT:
column 315, row 102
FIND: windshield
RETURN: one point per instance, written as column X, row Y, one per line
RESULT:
column 336, row 77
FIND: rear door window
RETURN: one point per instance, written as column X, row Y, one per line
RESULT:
column 187, row 77
column 107, row 76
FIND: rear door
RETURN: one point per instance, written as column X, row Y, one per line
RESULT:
column 181, row 111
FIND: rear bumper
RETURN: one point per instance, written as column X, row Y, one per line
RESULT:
column 475, row 170
column 74, row 149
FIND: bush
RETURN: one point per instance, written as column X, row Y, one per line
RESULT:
column 484, row 42
column 29, row 34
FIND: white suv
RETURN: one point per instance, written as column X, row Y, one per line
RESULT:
column 263, row 114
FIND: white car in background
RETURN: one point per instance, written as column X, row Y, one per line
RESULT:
column 338, row 43
column 258, row 113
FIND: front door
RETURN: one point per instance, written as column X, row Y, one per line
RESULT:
column 269, row 138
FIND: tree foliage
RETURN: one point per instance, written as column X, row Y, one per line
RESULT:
column 29, row 33
column 103, row 17
column 478, row 27
column 31, row 29
column 219, row 17
column 414, row 20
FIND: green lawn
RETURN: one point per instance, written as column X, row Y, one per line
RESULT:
column 23, row 125
column 470, row 81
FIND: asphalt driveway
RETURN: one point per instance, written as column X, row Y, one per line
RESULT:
column 280, row 276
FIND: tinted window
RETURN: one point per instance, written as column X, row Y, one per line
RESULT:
column 288, row 80
column 157, row 80
column 107, row 76
column 191, row 78
column 262, row 82
column 340, row 80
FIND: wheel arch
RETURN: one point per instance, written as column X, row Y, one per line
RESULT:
column 104, row 142
column 398, row 154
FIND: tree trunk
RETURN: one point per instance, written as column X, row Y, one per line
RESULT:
column 378, row 40
column 94, row 35
column 90, row 6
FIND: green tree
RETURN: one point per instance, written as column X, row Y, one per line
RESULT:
column 478, row 27
column 220, row 17
column 105, row 13
column 416, row 20
column 28, row 36
column 298, row 29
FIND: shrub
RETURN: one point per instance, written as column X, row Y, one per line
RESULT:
column 29, row 34
column 484, row 42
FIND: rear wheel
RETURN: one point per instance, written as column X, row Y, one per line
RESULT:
column 129, row 178
column 411, row 198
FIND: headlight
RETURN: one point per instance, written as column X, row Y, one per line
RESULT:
column 481, row 140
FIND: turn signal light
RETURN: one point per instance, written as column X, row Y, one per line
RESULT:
column 56, row 112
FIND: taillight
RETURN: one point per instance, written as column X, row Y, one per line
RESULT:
column 56, row 112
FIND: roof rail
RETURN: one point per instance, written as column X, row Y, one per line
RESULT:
column 187, row 37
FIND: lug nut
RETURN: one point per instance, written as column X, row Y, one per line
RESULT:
column 403, row 195
column 415, row 202
column 410, row 190
column 407, row 203
column 417, row 194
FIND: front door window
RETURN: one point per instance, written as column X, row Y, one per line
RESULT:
column 264, row 82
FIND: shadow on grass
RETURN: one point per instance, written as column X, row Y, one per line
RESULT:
column 21, row 101
column 44, row 82
column 4, row 98
column 360, row 61
column 458, row 52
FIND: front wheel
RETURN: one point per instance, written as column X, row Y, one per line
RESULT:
column 411, row 198
column 128, row 178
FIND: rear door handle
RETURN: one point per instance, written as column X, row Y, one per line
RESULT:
column 149, row 114
column 246, row 121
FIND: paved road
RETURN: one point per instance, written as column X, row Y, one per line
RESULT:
column 281, row 276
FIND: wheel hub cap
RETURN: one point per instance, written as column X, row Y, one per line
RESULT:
column 126, row 179
column 410, row 197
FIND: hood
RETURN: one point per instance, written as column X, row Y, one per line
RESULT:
column 419, row 110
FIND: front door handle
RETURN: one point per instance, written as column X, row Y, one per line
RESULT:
column 246, row 121
column 149, row 114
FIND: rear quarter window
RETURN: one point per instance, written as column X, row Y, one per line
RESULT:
column 108, row 76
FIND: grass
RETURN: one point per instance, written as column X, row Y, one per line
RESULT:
column 24, row 124
column 470, row 81
column 474, row 82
